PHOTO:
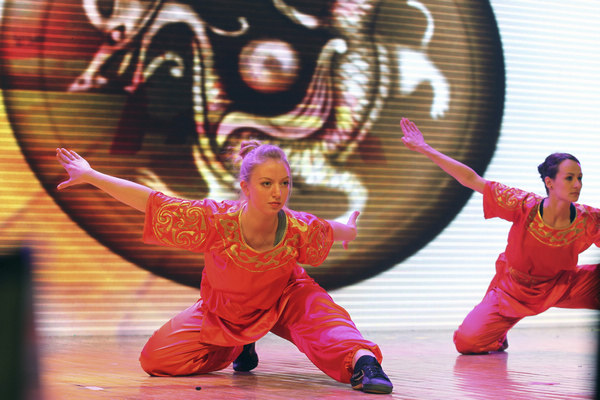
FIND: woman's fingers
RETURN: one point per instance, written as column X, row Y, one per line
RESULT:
column 351, row 223
column 353, row 218
column 73, row 154
column 407, row 128
column 64, row 154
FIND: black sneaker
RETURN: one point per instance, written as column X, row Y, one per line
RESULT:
column 247, row 360
column 369, row 377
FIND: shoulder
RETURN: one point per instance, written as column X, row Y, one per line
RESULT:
column 303, row 220
column 162, row 202
column 588, row 220
column 589, row 213
column 510, row 197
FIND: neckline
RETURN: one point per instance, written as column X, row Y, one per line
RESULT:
column 572, row 215
column 279, row 232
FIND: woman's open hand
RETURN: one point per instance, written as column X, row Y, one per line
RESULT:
column 413, row 138
column 75, row 165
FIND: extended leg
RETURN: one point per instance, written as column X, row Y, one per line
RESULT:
column 321, row 329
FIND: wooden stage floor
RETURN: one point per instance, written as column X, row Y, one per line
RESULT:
column 540, row 364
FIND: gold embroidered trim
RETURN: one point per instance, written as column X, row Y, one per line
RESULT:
column 178, row 224
column 281, row 255
column 511, row 198
column 550, row 236
column 247, row 258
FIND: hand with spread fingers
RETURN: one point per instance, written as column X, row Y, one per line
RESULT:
column 413, row 138
column 76, row 166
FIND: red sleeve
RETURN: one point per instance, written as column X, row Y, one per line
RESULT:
column 506, row 202
column 316, row 238
column 178, row 223
column 595, row 224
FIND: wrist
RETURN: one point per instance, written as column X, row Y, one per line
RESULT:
column 426, row 149
column 92, row 177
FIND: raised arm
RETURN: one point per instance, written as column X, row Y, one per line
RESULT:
column 413, row 139
column 79, row 170
column 345, row 232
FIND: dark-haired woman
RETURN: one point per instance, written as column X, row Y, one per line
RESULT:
column 252, row 282
column 538, row 269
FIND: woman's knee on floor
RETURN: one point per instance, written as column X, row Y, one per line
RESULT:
column 159, row 362
column 152, row 364
column 463, row 345
column 191, row 360
column 471, row 341
column 479, row 342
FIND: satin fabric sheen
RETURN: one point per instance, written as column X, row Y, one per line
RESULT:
column 245, row 294
column 538, row 269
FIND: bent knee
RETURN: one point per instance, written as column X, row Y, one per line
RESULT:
column 464, row 344
column 469, row 343
column 150, row 364
column 156, row 364
column 476, row 343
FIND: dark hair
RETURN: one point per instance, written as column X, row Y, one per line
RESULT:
column 549, row 167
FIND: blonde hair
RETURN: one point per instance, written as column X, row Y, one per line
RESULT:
column 253, row 153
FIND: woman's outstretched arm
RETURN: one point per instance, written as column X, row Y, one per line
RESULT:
column 413, row 139
column 79, row 170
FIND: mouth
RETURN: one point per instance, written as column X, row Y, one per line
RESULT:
column 275, row 204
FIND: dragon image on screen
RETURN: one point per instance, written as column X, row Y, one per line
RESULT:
column 162, row 93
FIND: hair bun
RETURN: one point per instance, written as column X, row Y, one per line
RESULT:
column 542, row 170
column 247, row 146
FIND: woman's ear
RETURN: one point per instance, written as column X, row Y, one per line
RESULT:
column 244, row 187
column 548, row 182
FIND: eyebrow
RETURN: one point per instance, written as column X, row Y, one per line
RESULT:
column 266, row 177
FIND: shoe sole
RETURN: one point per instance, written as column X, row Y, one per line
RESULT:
column 375, row 389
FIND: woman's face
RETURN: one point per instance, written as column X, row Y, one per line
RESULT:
column 567, row 183
column 269, row 186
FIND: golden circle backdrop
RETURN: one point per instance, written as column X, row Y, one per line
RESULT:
column 155, row 92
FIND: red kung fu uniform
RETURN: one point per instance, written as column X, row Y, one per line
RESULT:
column 245, row 293
column 538, row 269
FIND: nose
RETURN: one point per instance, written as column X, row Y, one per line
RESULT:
column 276, row 191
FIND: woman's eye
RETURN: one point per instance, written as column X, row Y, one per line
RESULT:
column 266, row 184
column 286, row 183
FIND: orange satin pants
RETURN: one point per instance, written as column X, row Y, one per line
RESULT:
column 310, row 319
column 485, row 328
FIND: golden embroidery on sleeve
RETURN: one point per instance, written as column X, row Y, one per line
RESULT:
column 179, row 224
column 512, row 198
column 317, row 247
